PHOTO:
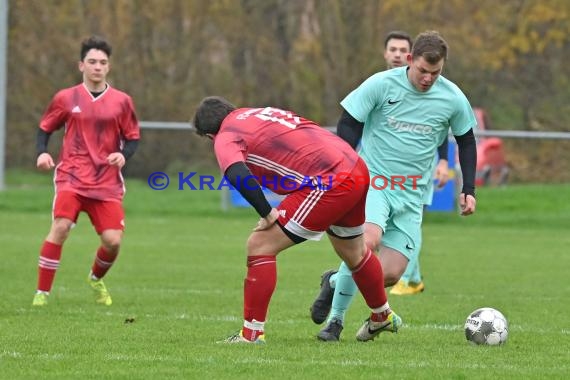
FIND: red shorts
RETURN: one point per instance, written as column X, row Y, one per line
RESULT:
column 308, row 212
column 104, row 215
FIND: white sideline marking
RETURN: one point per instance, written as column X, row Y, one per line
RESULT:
column 383, row 364
column 252, row 360
column 144, row 358
column 432, row 326
column 234, row 318
column 10, row 354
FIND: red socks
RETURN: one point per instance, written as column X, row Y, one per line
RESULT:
column 50, row 255
column 258, row 288
column 261, row 280
column 103, row 261
column 370, row 280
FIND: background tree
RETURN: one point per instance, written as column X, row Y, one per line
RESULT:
column 509, row 57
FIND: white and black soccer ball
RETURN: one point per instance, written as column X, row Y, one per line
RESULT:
column 486, row 326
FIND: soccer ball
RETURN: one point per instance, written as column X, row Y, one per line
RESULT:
column 486, row 326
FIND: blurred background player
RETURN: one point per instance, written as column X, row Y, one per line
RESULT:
column 397, row 46
column 402, row 116
column 101, row 133
column 294, row 157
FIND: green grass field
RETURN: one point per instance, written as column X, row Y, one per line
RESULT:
column 180, row 275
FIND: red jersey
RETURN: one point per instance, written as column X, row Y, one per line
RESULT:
column 277, row 144
column 94, row 128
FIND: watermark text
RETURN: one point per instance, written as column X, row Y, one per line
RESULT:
column 194, row 181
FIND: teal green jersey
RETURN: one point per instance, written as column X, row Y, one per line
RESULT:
column 403, row 128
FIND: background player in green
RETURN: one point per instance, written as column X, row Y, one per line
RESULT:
column 402, row 116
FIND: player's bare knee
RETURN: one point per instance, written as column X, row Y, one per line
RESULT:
column 259, row 243
column 390, row 279
column 353, row 259
column 112, row 246
column 254, row 244
column 372, row 236
column 372, row 244
column 60, row 230
column 392, row 274
column 111, row 240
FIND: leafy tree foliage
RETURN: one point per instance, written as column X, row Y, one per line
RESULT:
column 509, row 56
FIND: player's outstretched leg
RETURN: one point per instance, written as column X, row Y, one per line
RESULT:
column 50, row 255
column 322, row 305
column 344, row 291
column 369, row 277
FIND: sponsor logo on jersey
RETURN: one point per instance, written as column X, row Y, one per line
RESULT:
column 402, row 126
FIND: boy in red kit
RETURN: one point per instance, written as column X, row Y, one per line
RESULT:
column 101, row 133
column 325, row 183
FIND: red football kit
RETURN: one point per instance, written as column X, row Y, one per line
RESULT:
column 94, row 128
column 292, row 155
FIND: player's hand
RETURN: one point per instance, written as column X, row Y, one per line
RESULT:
column 467, row 204
column 116, row 159
column 442, row 173
column 45, row 162
column 268, row 221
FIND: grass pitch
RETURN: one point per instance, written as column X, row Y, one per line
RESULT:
column 177, row 289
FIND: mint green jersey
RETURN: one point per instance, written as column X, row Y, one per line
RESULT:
column 403, row 128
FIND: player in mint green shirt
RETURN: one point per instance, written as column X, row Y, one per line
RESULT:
column 402, row 115
column 397, row 46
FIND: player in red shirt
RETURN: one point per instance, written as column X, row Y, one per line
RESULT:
column 326, row 185
column 101, row 133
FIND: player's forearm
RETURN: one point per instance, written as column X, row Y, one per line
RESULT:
column 349, row 129
column 468, row 160
column 42, row 139
column 129, row 148
column 249, row 189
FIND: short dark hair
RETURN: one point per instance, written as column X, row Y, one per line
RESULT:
column 431, row 46
column 95, row 42
column 398, row 35
column 210, row 114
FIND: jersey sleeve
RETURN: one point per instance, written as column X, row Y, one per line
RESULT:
column 362, row 100
column 130, row 129
column 55, row 115
column 463, row 119
column 229, row 149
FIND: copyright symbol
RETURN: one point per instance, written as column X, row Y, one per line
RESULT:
column 158, row 181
